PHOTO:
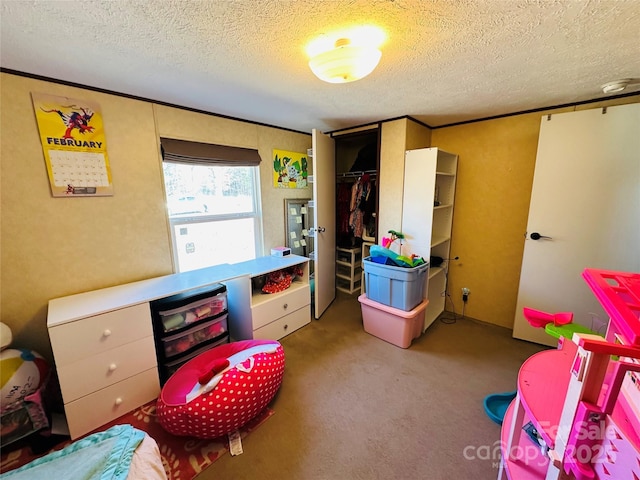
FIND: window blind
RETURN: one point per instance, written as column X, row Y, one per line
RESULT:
column 183, row 151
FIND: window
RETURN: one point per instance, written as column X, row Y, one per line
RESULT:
column 214, row 211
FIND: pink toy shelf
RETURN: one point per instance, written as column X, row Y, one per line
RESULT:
column 619, row 295
column 572, row 418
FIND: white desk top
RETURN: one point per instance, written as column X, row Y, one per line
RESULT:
column 74, row 307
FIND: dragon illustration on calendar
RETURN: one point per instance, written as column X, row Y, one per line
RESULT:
column 74, row 146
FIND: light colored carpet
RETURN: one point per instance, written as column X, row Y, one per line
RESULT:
column 353, row 406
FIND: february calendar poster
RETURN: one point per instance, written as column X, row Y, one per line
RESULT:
column 74, row 146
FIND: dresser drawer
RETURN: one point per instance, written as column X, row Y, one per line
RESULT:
column 269, row 309
column 85, row 338
column 285, row 325
column 93, row 411
column 106, row 368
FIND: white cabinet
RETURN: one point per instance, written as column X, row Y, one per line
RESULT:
column 278, row 314
column 103, row 341
column 274, row 315
column 427, row 216
column 348, row 269
column 106, row 366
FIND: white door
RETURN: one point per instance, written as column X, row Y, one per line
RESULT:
column 586, row 198
column 324, row 220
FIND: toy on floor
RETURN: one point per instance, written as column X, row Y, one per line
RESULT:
column 5, row 336
column 495, row 405
column 23, row 378
column 221, row 389
column 582, row 399
column 555, row 324
column 23, row 372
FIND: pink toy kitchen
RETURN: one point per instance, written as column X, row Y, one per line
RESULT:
column 576, row 414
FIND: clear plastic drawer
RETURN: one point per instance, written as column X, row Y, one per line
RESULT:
column 176, row 344
column 193, row 312
column 170, row 367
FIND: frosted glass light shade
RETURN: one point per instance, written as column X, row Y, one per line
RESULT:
column 616, row 86
column 345, row 63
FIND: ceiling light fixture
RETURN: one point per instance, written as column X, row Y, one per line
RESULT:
column 616, row 86
column 347, row 56
column 345, row 62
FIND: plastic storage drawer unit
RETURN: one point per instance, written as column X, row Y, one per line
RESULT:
column 396, row 287
column 392, row 324
column 194, row 320
column 203, row 304
column 170, row 367
column 197, row 335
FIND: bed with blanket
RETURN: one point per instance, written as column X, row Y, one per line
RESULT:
column 121, row 452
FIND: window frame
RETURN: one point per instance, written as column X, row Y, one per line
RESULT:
column 175, row 222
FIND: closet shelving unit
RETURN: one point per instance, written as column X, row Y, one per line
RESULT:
column 444, row 195
column 348, row 269
column 366, row 250
column 427, row 217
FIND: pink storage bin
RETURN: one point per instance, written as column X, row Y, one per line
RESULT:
column 392, row 325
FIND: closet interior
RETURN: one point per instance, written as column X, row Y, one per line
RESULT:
column 357, row 165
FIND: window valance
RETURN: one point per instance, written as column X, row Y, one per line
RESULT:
column 183, row 151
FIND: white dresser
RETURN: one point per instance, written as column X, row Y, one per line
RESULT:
column 103, row 343
column 106, row 365
column 272, row 316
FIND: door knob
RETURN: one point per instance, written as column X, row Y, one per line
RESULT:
column 321, row 229
column 537, row 236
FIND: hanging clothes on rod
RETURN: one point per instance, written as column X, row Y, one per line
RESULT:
column 360, row 192
column 343, row 209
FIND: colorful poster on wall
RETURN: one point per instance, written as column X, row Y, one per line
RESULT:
column 289, row 169
column 74, row 146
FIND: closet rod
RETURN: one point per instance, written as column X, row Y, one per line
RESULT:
column 371, row 173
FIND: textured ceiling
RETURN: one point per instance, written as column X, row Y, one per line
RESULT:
column 444, row 61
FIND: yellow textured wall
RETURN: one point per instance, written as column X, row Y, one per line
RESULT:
column 495, row 178
column 418, row 136
column 53, row 247
column 495, row 174
column 273, row 214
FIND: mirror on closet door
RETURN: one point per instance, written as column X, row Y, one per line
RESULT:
column 297, row 219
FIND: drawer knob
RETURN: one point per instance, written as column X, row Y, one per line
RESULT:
column 118, row 401
column 286, row 326
column 285, row 306
column 106, row 333
column 112, row 367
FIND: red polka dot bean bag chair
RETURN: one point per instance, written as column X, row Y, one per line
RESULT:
column 221, row 389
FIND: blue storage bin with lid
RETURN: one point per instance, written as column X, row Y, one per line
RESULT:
column 398, row 287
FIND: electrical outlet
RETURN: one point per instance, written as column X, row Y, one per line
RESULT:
column 465, row 294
